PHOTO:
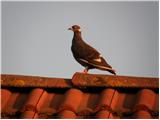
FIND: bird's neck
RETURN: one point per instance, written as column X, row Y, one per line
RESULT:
column 77, row 37
column 77, row 34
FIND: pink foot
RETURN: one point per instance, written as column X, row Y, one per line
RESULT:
column 85, row 71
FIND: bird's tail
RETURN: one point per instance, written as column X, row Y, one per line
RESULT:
column 112, row 71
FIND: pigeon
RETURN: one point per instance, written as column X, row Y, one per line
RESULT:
column 86, row 55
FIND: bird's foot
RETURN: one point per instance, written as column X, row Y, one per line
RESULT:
column 85, row 71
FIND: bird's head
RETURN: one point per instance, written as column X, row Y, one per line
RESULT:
column 75, row 28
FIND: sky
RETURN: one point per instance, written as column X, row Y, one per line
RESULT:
column 35, row 39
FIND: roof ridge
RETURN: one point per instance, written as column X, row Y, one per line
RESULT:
column 80, row 80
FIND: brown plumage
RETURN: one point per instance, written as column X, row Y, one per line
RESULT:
column 86, row 55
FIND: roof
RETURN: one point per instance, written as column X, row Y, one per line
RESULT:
column 83, row 96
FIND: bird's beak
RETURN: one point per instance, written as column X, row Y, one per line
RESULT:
column 70, row 29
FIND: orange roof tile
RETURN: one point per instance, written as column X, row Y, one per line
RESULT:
column 40, row 97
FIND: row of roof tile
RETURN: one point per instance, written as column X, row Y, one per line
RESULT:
column 75, row 103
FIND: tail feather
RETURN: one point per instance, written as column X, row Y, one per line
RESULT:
column 112, row 71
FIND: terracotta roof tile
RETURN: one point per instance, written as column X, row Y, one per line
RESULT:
column 146, row 98
column 72, row 99
column 67, row 114
column 142, row 114
column 65, row 99
column 156, row 104
column 34, row 81
column 102, row 114
column 106, row 97
column 94, row 80
column 29, row 115
column 4, row 94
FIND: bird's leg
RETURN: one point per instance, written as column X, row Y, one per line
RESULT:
column 85, row 70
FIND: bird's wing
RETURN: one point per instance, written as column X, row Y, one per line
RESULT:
column 90, row 52
column 93, row 57
column 82, row 50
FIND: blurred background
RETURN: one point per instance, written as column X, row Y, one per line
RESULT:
column 35, row 39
